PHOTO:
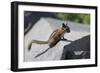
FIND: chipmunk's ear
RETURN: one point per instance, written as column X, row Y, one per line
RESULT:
column 63, row 25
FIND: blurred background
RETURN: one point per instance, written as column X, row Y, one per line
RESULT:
column 75, row 17
column 30, row 18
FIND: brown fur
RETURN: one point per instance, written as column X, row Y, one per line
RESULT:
column 54, row 38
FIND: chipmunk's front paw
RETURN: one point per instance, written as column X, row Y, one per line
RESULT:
column 64, row 39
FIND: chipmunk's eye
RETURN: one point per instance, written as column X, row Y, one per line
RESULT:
column 67, row 29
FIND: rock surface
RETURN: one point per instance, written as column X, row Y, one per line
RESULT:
column 42, row 30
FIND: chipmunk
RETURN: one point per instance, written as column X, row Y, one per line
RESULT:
column 54, row 38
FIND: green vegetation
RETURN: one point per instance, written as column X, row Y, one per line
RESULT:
column 76, row 17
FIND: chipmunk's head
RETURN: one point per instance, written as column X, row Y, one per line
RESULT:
column 66, row 28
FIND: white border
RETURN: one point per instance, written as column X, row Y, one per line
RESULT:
column 22, row 64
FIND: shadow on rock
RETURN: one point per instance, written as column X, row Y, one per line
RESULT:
column 79, row 49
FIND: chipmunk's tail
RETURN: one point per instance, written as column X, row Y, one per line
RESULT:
column 37, row 42
column 41, row 53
